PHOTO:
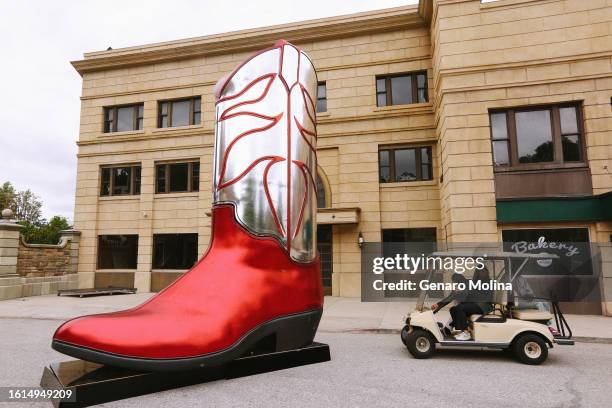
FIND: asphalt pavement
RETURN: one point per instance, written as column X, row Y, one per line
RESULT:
column 366, row 370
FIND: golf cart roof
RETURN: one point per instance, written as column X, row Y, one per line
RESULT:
column 492, row 255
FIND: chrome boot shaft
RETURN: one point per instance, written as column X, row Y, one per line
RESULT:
column 265, row 147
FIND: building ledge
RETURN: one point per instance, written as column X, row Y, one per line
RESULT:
column 346, row 215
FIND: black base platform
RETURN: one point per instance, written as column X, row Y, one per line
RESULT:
column 95, row 384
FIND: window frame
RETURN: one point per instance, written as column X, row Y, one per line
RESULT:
column 156, row 236
column 193, row 110
column 321, row 99
column 99, row 252
column 167, row 172
column 136, row 117
column 134, row 191
column 417, row 158
column 413, row 83
column 556, row 132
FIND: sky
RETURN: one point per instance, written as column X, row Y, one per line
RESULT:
column 39, row 89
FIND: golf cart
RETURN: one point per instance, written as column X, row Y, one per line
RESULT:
column 522, row 327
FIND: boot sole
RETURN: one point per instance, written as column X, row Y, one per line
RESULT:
column 276, row 335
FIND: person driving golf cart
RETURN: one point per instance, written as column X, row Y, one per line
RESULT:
column 469, row 302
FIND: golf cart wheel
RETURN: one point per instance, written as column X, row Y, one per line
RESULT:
column 404, row 334
column 530, row 349
column 420, row 343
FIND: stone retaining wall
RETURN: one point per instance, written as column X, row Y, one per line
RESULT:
column 35, row 269
column 36, row 260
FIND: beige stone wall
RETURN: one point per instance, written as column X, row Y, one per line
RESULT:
column 349, row 136
column 513, row 53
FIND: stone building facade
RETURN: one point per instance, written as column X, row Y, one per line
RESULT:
column 414, row 165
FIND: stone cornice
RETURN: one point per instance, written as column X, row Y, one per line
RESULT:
column 245, row 40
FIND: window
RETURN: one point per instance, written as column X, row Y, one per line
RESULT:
column 120, row 180
column 401, row 89
column 183, row 112
column 321, row 97
column 117, row 251
column 123, row 118
column 321, row 194
column 543, row 135
column 409, row 235
column 177, row 177
column 405, row 164
column 174, row 251
column 414, row 241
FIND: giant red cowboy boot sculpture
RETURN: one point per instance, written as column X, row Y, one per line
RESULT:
column 260, row 277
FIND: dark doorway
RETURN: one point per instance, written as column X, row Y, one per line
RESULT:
column 324, row 245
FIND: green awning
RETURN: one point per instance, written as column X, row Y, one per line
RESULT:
column 593, row 208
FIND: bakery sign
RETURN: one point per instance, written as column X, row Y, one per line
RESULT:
column 543, row 246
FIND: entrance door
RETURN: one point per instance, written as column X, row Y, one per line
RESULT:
column 324, row 245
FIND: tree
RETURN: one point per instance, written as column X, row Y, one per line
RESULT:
column 27, row 207
column 7, row 195
column 44, row 232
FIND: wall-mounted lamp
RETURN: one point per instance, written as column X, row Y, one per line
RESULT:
column 360, row 239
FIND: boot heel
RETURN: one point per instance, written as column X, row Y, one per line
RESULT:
column 297, row 331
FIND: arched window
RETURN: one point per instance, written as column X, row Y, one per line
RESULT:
column 321, row 196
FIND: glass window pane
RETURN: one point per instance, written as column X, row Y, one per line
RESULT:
column 105, row 186
column 569, row 124
column 178, row 177
column 139, row 124
column 164, row 108
column 421, row 81
column 108, row 126
column 164, row 122
column 571, row 148
column 121, row 180
column 180, row 113
column 381, row 99
column 383, row 157
column 136, row 177
column 174, row 251
column 426, row 155
column 534, row 136
column 500, row 152
column 197, row 105
column 321, row 91
column 197, row 118
column 140, row 111
column 405, row 165
column 321, row 199
column 401, row 90
column 160, row 178
column 195, row 176
column 381, row 85
column 499, row 128
column 422, row 95
column 117, row 251
column 108, row 113
column 384, row 168
column 425, row 172
column 125, row 119
column 322, row 105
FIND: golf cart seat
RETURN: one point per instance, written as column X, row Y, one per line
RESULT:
column 474, row 317
column 532, row 314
